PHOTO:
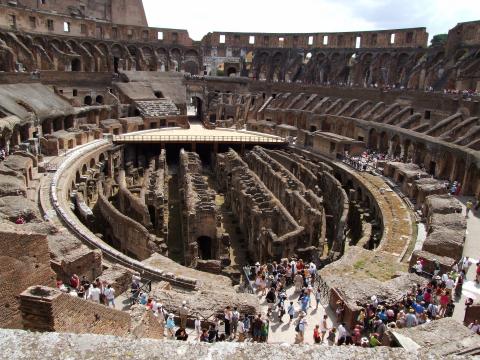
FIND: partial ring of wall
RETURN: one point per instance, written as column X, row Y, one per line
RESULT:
column 58, row 191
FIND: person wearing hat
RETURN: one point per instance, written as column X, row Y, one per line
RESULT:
column 411, row 319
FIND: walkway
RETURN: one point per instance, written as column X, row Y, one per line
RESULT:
column 198, row 134
column 472, row 250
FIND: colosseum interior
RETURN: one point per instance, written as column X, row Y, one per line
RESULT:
column 136, row 154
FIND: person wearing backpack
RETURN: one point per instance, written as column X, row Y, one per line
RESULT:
column 300, row 328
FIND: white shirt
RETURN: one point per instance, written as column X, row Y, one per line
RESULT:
column 94, row 294
column 241, row 327
column 109, row 293
column 449, row 284
column 198, row 324
column 342, row 331
column 474, row 328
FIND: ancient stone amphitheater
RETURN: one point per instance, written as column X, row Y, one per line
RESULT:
column 136, row 151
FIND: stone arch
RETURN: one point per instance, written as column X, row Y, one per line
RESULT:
column 205, row 245
column 373, row 139
column 383, row 144
column 99, row 99
column 396, row 148
column 92, row 163
column 472, row 181
column 84, row 169
column 444, row 165
column 76, row 64
column 88, row 100
column 175, row 59
column 118, row 58
column 231, row 72
column 459, row 171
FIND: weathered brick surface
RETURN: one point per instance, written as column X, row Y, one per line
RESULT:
column 24, row 261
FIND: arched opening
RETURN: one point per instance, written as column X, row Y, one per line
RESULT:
column 373, row 139
column 459, row 170
column 88, row 100
column 383, row 146
column 99, row 99
column 159, row 94
column 444, row 166
column 396, row 148
column 231, row 72
column 92, row 163
column 84, row 169
column 69, row 122
column 76, row 65
column 204, row 247
column 196, row 108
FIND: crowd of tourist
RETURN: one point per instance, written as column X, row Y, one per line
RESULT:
column 368, row 160
column 98, row 291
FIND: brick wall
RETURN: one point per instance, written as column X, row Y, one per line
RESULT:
column 47, row 309
column 24, row 261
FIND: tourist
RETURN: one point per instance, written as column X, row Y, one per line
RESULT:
column 469, row 206
column 304, row 301
column 411, row 319
column 257, row 327
column 282, row 296
column 342, row 334
column 204, row 336
column 291, row 311
column 109, row 293
column 374, row 342
column 75, row 281
column 475, row 327
column 170, row 325
column 94, row 294
column 323, row 327
column 301, row 325
column 449, row 309
column 241, row 330
column 227, row 313
column 318, row 297
column 183, row 313
column 181, row 334
column 444, row 300
column 271, row 299
column 246, row 324
column 379, row 328
column 234, row 322
column 331, row 336
column 317, row 338
column 198, row 327
column 264, row 330
column 339, row 310
column 298, row 280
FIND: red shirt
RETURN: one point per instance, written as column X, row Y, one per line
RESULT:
column 74, row 282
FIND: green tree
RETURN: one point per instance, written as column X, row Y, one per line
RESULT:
column 439, row 40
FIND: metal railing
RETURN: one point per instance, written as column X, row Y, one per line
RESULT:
column 198, row 138
column 145, row 286
column 247, row 284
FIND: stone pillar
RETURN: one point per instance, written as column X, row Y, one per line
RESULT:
column 390, row 147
